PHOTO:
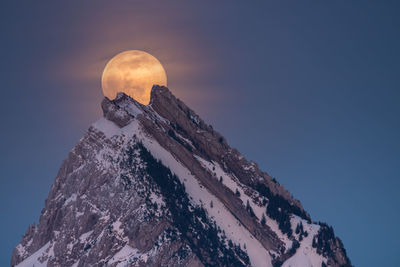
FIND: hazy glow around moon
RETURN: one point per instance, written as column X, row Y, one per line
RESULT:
column 134, row 73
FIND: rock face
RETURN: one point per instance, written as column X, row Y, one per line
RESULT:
column 156, row 186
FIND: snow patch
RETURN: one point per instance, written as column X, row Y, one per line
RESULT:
column 305, row 255
column 117, row 227
column 125, row 255
column 233, row 183
column 85, row 236
column 107, row 127
column 131, row 108
column 35, row 258
column 72, row 198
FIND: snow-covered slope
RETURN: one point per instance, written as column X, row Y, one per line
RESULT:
column 154, row 185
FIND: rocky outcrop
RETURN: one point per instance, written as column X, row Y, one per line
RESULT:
column 115, row 114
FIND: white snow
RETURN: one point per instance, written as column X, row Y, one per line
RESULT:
column 85, row 236
column 158, row 116
column 50, row 252
column 109, row 128
column 306, row 255
column 160, row 202
column 56, row 233
column 72, row 198
column 233, row 183
column 283, row 237
column 34, row 259
column 195, row 119
column 123, row 256
column 117, row 227
column 21, row 249
column 258, row 255
column 131, row 108
column 185, row 139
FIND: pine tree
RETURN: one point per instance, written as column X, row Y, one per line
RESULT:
column 298, row 229
column 263, row 220
column 237, row 193
column 248, row 206
column 249, row 209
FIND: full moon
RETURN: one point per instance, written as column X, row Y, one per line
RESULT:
column 134, row 73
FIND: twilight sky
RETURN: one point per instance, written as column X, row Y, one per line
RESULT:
column 310, row 90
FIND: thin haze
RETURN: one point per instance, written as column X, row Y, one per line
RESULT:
column 307, row 89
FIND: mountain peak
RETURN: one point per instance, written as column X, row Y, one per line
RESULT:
column 158, row 91
column 155, row 185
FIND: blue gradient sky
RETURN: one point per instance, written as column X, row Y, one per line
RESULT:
column 310, row 91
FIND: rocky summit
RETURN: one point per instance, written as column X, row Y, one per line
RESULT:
column 156, row 186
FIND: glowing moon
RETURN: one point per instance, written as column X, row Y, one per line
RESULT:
column 134, row 73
